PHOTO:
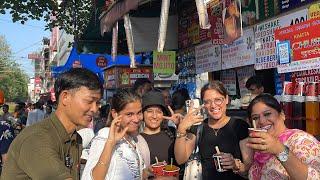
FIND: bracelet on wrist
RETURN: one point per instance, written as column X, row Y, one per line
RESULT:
column 180, row 135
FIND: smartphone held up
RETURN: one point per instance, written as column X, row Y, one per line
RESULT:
column 194, row 104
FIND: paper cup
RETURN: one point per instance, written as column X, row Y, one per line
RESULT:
column 257, row 130
column 157, row 168
column 217, row 162
column 169, row 170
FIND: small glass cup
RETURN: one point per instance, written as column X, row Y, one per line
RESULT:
column 217, row 162
column 157, row 168
column 169, row 170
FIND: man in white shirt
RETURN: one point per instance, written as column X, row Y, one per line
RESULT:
column 35, row 115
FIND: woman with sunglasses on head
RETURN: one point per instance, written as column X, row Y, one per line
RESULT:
column 280, row 153
column 229, row 134
column 116, row 152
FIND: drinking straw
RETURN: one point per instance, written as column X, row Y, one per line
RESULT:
column 254, row 124
column 157, row 160
column 217, row 149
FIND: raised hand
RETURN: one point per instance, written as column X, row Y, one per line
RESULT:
column 227, row 161
column 192, row 117
column 264, row 142
column 175, row 117
column 116, row 132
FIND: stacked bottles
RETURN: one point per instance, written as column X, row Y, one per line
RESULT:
column 298, row 110
column 312, row 109
column 286, row 102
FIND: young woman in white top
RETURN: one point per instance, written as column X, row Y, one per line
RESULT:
column 116, row 151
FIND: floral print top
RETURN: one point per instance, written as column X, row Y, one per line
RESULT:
column 303, row 145
column 6, row 136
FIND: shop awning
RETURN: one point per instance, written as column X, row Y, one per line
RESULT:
column 89, row 61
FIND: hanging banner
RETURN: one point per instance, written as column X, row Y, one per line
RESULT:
column 244, row 73
column 232, row 21
column 285, row 5
column 228, row 78
column 164, row 62
column 215, row 16
column 248, row 12
column 265, row 41
column 239, row 53
column 304, row 41
column 208, row 57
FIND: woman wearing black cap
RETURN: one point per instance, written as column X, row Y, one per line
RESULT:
column 159, row 136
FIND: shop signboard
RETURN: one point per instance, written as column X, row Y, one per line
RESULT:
column 313, row 63
column 239, row 53
column 208, row 57
column 164, row 62
column 312, row 75
column 228, row 78
column 124, row 76
column 304, row 43
column 244, row 73
column 215, row 17
column 285, row 5
column 265, row 41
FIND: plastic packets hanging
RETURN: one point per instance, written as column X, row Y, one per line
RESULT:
column 203, row 15
column 128, row 29
column 163, row 24
column 114, row 50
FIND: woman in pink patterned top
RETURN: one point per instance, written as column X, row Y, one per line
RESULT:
column 280, row 153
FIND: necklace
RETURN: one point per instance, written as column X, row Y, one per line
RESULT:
column 216, row 131
column 130, row 143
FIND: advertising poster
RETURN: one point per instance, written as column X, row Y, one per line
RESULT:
column 232, row 21
column 244, row 73
column 208, row 57
column 264, row 38
column 264, row 9
column 312, row 75
column 239, row 53
column 215, row 17
column 164, row 62
column 189, row 31
column 304, row 41
column 285, row 5
column 228, row 78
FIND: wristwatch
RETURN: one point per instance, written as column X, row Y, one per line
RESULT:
column 179, row 135
column 284, row 155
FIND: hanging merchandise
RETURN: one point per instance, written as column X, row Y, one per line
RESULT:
column 286, row 103
column 312, row 109
column 130, row 43
column 163, row 24
column 215, row 17
column 114, row 50
column 298, row 110
column 203, row 15
column 232, row 21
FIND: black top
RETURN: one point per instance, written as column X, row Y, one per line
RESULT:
column 160, row 146
column 227, row 140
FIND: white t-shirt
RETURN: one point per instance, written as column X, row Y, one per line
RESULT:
column 126, row 162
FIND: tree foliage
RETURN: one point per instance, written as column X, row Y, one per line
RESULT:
column 13, row 81
column 70, row 15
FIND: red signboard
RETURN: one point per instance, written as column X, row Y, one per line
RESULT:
column 215, row 15
column 35, row 57
column 37, row 80
column 101, row 61
column 304, row 39
column 306, row 76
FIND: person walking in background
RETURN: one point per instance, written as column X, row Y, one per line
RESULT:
column 142, row 86
column 6, row 115
column 48, row 111
column 36, row 115
column 6, row 138
column 280, row 153
column 51, row 149
column 167, row 97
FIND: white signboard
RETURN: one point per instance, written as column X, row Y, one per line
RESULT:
column 229, row 80
column 299, row 65
column 265, row 41
column 240, row 53
column 208, row 57
column 244, row 73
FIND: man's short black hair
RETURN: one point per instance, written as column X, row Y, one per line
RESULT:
column 254, row 80
column 140, row 82
column 5, row 106
column 74, row 79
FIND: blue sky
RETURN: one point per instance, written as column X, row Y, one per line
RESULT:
column 23, row 39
